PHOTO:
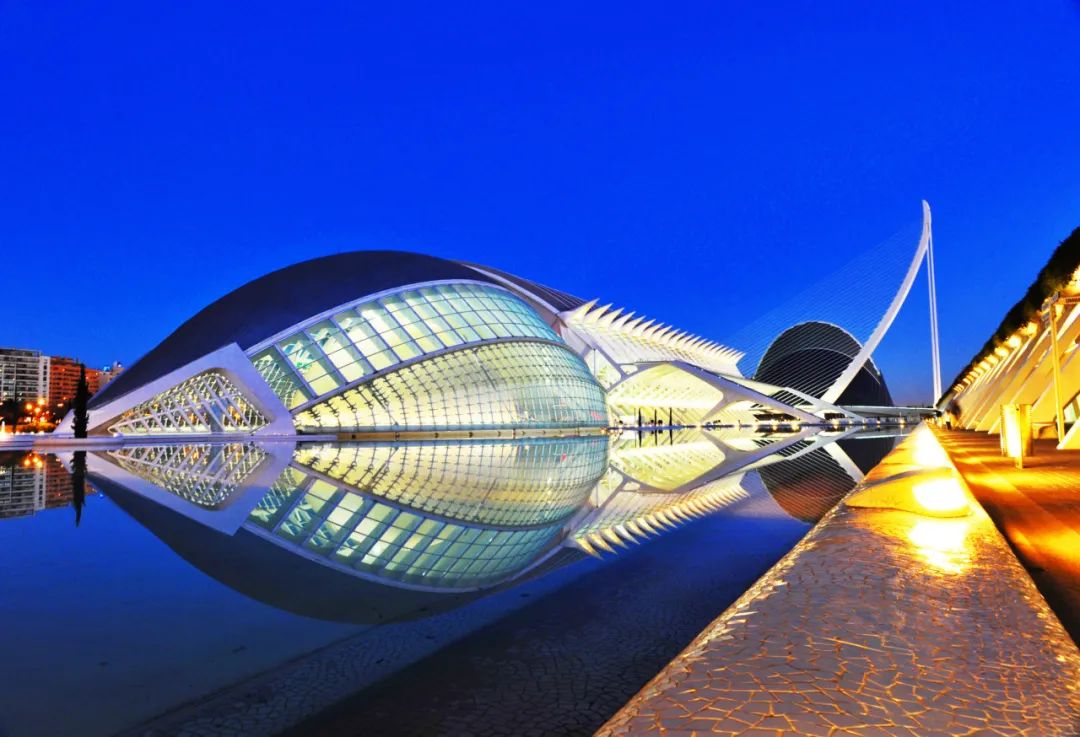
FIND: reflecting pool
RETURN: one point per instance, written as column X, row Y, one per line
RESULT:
column 425, row 587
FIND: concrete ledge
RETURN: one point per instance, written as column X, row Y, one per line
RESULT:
column 880, row 622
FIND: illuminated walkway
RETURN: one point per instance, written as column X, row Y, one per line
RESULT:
column 1037, row 509
column 881, row 622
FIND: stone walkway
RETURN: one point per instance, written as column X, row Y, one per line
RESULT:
column 881, row 622
column 1036, row 508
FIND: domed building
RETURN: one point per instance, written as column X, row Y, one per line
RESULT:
column 360, row 341
column 811, row 356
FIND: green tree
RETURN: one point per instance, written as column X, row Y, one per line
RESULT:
column 82, row 396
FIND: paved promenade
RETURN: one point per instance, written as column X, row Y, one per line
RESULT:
column 881, row 622
column 1037, row 509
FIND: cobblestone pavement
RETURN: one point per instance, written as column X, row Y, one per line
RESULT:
column 1037, row 508
column 881, row 622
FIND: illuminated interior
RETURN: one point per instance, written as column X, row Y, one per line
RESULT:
column 374, row 335
column 662, row 390
column 514, row 384
column 207, row 403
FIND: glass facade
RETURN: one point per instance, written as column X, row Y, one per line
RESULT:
column 604, row 371
column 514, row 384
column 508, row 483
column 389, row 541
column 661, row 393
column 378, row 334
column 206, row 403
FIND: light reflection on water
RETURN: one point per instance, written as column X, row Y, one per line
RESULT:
column 367, row 534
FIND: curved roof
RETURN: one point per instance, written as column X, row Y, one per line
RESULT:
column 531, row 290
column 280, row 299
column 812, row 334
column 812, row 355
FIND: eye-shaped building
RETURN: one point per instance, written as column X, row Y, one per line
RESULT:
column 384, row 341
column 362, row 341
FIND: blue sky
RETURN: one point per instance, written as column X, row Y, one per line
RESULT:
column 689, row 161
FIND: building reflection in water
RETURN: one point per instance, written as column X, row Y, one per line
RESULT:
column 32, row 482
column 376, row 532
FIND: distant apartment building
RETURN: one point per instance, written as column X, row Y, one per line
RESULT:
column 28, row 375
column 64, row 380
column 111, row 372
column 24, row 374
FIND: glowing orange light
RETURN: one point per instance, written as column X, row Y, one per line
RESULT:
column 942, row 543
column 940, row 495
column 928, row 451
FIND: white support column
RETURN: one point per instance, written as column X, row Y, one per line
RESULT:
column 935, row 349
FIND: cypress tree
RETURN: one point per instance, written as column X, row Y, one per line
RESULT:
column 82, row 395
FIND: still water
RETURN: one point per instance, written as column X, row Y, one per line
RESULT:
column 483, row 587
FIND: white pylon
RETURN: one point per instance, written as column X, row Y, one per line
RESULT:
column 935, row 350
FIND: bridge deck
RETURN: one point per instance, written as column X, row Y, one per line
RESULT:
column 881, row 622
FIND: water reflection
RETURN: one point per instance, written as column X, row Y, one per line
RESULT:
column 32, row 482
column 375, row 532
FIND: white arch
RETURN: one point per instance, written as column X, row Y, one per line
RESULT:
column 886, row 321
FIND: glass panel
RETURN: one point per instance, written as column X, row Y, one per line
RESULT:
column 324, row 384
column 407, row 350
column 281, row 378
column 499, row 385
column 378, row 317
column 377, row 335
column 328, row 336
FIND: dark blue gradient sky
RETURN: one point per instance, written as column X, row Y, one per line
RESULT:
column 691, row 161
